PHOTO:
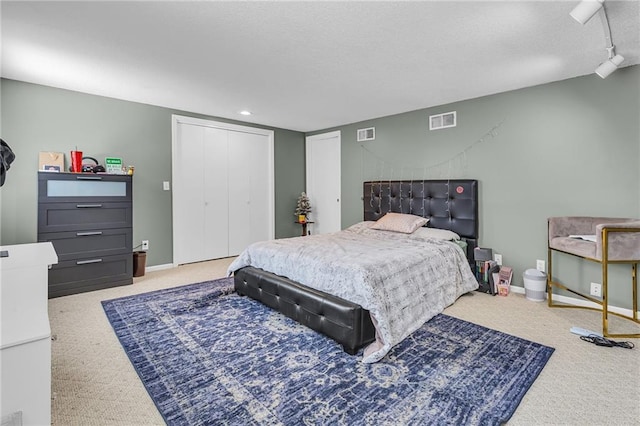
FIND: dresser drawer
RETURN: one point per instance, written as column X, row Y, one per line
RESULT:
column 74, row 276
column 84, row 244
column 59, row 217
column 83, row 187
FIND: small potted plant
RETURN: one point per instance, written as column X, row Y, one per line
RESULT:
column 303, row 208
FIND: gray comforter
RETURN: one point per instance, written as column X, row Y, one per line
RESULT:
column 403, row 280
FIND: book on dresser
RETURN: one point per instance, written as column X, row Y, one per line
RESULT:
column 88, row 219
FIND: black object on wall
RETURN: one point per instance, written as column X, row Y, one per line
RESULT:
column 6, row 158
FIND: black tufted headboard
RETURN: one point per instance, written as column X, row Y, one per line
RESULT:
column 448, row 203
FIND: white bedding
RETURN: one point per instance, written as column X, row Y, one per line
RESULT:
column 402, row 279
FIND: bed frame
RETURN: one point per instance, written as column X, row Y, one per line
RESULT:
column 449, row 204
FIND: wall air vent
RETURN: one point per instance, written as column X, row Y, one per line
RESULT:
column 442, row 121
column 366, row 134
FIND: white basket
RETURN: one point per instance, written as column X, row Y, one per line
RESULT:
column 535, row 284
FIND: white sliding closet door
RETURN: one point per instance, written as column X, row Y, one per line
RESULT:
column 248, row 198
column 189, row 246
column 223, row 189
column 214, row 228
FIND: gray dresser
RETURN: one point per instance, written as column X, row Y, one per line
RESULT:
column 88, row 219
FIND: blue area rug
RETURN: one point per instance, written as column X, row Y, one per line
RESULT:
column 209, row 356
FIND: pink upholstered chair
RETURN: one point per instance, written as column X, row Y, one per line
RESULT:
column 617, row 240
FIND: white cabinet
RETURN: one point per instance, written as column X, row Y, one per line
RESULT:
column 223, row 188
column 25, row 334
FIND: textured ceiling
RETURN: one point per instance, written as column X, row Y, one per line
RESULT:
column 306, row 65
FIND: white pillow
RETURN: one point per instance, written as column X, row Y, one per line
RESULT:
column 440, row 234
column 399, row 222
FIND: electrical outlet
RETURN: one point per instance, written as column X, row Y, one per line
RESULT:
column 540, row 265
column 498, row 258
column 145, row 244
column 596, row 290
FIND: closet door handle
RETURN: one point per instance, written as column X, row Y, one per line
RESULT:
column 88, row 206
column 86, row 234
column 87, row 262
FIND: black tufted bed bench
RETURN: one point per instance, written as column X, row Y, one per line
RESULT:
column 343, row 321
column 449, row 204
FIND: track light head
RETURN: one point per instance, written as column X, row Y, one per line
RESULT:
column 609, row 66
column 585, row 10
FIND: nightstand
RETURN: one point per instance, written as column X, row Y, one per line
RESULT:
column 304, row 226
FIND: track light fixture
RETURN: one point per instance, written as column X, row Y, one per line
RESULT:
column 583, row 12
column 609, row 66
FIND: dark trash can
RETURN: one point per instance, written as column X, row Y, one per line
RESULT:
column 139, row 263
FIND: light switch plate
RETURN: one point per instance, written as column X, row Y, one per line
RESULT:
column 165, row 185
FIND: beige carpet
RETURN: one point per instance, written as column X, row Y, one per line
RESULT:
column 93, row 382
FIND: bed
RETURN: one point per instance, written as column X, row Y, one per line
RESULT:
column 364, row 286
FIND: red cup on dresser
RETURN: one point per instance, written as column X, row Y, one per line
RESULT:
column 76, row 161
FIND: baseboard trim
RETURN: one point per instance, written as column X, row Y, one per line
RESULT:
column 159, row 267
column 515, row 289
column 579, row 302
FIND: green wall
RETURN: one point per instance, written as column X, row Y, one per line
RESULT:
column 565, row 148
column 38, row 118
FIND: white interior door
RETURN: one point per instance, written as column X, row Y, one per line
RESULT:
column 323, row 181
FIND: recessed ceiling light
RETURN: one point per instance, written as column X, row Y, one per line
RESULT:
column 245, row 112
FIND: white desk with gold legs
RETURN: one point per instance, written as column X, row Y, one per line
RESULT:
column 605, row 240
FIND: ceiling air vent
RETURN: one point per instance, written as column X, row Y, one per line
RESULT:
column 366, row 134
column 442, row 121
